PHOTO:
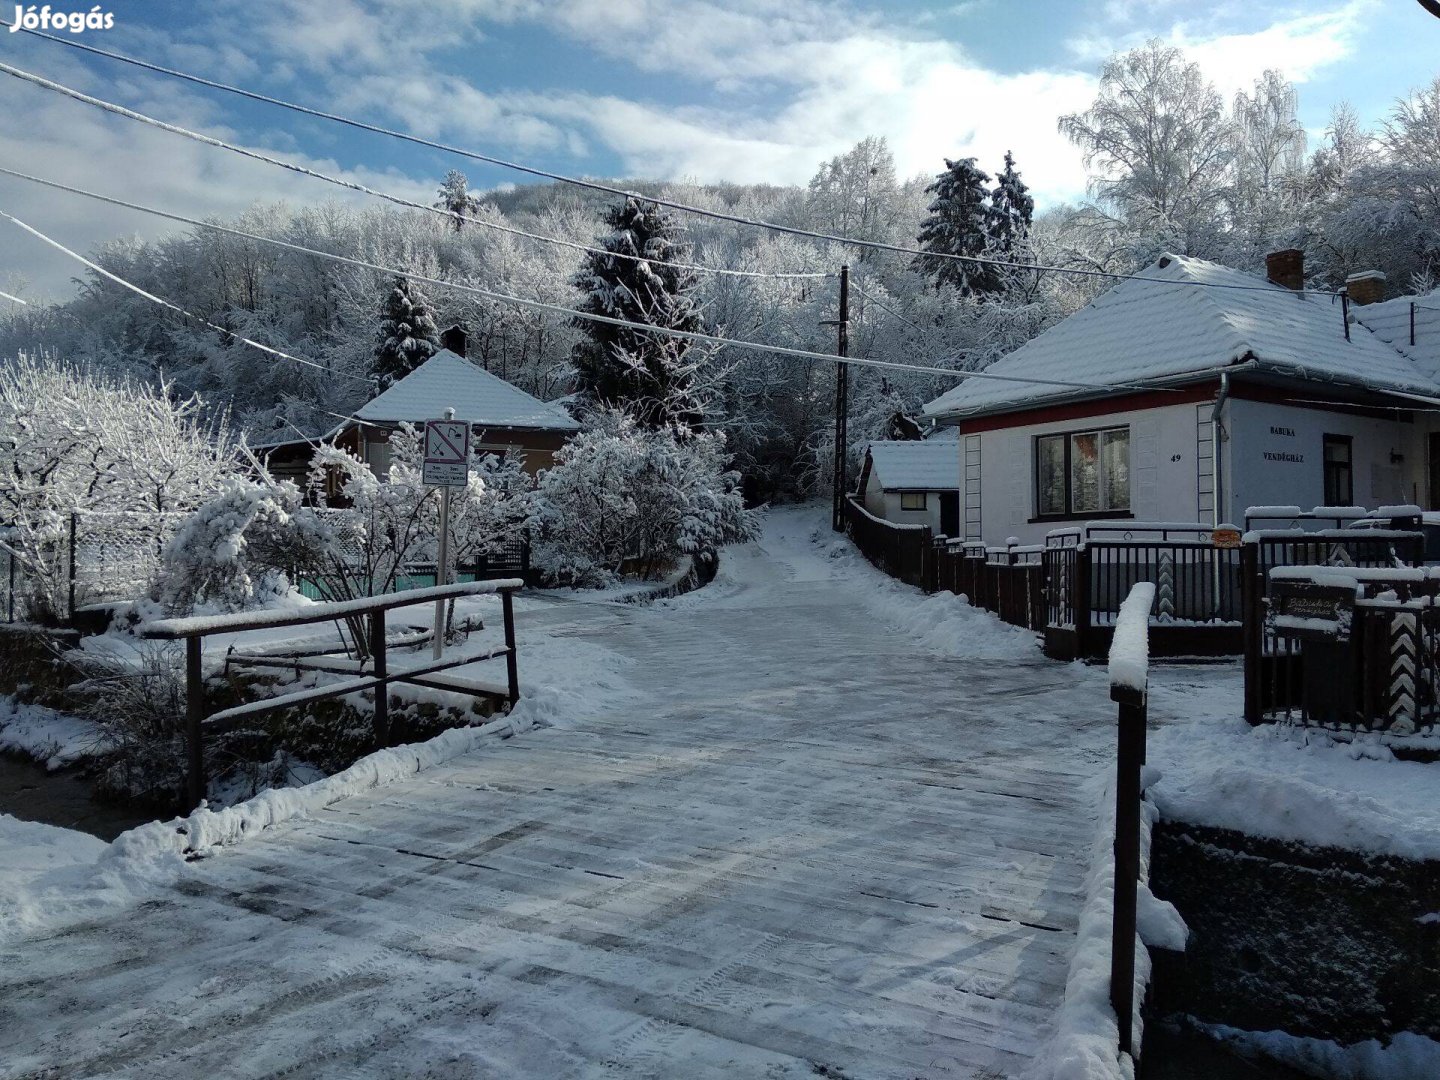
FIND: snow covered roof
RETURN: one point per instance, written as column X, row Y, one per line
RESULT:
column 1141, row 332
column 448, row 381
column 916, row 466
column 1390, row 321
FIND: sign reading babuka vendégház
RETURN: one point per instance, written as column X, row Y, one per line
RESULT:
column 48, row 18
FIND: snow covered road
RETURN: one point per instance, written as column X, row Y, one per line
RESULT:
column 805, row 844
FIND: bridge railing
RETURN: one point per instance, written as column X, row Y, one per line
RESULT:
column 1129, row 689
column 193, row 631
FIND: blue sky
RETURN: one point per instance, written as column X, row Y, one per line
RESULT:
column 745, row 90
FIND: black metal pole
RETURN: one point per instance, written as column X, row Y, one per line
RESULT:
column 512, row 672
column 382, row 692
column 194, row 722
column 842, row 401
column 73, row 517
column 1129, row 759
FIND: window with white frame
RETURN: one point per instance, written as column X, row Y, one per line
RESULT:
column 912, row 500
column 1081, row 473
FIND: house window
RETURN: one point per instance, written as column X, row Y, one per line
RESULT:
column 912, row 500
column 1082, row 472
column 1339, row 471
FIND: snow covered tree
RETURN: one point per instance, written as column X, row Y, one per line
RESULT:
column 855, row 194
column 622, row 493
column 958, row 224
column 1011, row 212
column 1161, row 144
column 649, row 376
column 117, row 453
column 454, row 196
column 407, row 336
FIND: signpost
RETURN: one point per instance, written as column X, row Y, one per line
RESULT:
column 447, row 465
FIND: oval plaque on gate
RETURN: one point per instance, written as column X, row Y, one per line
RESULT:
column 1225, row 538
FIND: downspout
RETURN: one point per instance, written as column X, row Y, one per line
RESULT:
column 1217, row 436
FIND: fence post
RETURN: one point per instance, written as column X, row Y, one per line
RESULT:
column 1129, row 678
column 512, row 672
column 382, row 692
column 1251, row 630
column 73, row 517
column 194, row 722
column 1080, row 600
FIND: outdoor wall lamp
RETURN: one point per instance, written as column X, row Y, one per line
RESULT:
column 1396, row 457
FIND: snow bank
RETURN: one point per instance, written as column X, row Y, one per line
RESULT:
column 1407, row 1056
column 53, row 738
column 1285, row 783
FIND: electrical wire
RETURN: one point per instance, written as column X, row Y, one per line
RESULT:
column 13, row 299
column 594, row 185
column 167, row 304
column 398, row 200
column 536, row 305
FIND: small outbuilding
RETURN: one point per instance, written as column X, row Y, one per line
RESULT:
column 914, row 483
column 504, row 419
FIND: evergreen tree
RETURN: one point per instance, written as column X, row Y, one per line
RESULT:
column 407, row 336
column 454, row 197
column 958, row 224
column 647, row 376
column 1012, row 211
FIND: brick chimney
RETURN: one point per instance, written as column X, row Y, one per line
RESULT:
column 1286, row 268
column 1366, row 287
column 454, row 339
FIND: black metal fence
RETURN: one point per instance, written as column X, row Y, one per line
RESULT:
column 1341, row 630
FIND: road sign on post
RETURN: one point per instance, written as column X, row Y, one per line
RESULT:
column 447, row 465
column 447, row 453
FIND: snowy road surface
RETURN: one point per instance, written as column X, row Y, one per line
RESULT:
column 808, row 847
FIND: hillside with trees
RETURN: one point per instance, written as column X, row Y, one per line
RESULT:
column 1174, row 167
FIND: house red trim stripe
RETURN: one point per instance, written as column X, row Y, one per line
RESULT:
column 1079, row 410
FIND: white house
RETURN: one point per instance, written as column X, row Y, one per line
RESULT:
column 1188, row 403
column 914, row 483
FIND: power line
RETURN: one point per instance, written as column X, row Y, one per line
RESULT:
column 13, row 299
column 539, row 305
column 167, row 304
column 399, row 200
column 886, row 307
column 594, row 185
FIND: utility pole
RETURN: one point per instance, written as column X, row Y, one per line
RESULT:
column 842, row 401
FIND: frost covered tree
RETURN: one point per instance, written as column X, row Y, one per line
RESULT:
column 1160, row 144
column 958, row 224
column 648, row 376
column 118, row 453
column 621, row 493
column 454, row 196
column 855, row 194
column 407, row 336
column 1011, row 212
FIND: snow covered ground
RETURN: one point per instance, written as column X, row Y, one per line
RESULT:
column 1280, row 782
column 803, row 822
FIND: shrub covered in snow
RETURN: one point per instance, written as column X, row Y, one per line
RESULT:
column 232, row 553
column 621, row 493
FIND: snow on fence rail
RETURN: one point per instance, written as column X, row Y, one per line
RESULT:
column 1129, row 683
column 193, row 629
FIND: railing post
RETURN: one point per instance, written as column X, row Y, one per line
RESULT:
column 382, row 692
column 1129, row 682
column 194, row 722
column 1129, row 760
column 512, row 672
